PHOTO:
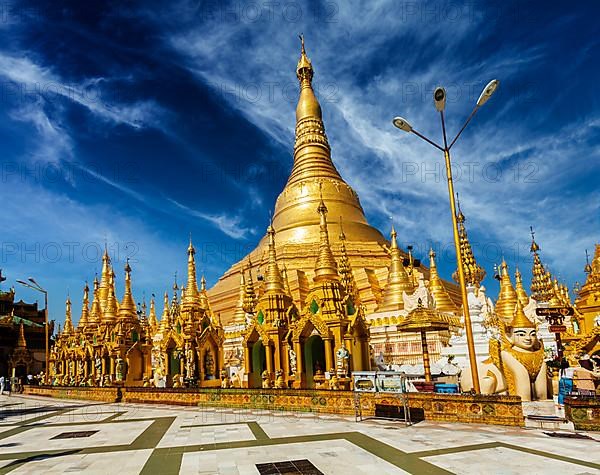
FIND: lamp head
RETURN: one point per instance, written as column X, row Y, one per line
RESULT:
column 439, row 98
column 402, row 124
column 487, row 92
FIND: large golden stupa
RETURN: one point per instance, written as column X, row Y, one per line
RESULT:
column 313, row 177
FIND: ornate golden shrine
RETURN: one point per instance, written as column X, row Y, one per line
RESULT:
column 116, row 343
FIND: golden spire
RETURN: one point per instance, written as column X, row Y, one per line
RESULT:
column 286, row 282
column 443, row 302
column 127, row 308
column 110, row 312
column 474, row 274
column 273, row 280
column 191, row 290
column 152, row 320
column 165, row 319
column 325, row 267
column 105, row 279
column 293, row 218
column 541, row 280
column 507, row 298
column 555, row 300
column 203, row 295
column 68, row 321
column 85, row 308
column 96, row 312
column 345, row 269
column 519, row 319
column 21, row 343
column 239, row 315
column 251, row 297
column 311, row 148
column 521, row 294
column 398, row 280
column 589, row 294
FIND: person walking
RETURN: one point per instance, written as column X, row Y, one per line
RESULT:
column 2, row 383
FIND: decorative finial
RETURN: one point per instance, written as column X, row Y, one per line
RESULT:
column 460, row 216
column 175, row 286
column 588, row 268
column 534, row 245
column 301, row 36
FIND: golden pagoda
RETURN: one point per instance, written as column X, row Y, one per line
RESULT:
column 360, row 249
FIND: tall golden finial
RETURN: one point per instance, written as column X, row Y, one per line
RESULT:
column 398, row 280
column 507, row 298
column 286, row 282
column 68, row 320
column 325, row 266
column 152, row 320
column 239, row 316
column 105, row 278
column 203, row 295
column 21, row 343
column 443, row 302
column 127, row 308
column 541, row 281
column 96, row 312
column 345, row 269
column 588, row 268
column 110, row 312
column 165, row 319
column 474, row 273
column 85, row 308
column 191, row 290
column 521, row 294
column 273, row 280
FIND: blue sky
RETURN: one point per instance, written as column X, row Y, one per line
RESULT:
column 136, row 123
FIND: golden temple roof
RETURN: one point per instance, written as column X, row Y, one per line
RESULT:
column 423, row 319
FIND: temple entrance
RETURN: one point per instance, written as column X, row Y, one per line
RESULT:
column 259, row 364
column 20, row 371
column 173, row 363
column 135, row 367
column 314, row 359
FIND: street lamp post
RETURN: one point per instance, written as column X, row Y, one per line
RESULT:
column 32, row 284
column 439, row 99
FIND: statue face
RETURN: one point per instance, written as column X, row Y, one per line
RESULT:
column 525, row 338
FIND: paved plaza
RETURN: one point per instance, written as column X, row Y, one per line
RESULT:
column 50, row 436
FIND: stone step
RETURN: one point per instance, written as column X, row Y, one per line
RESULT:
column 556, row 423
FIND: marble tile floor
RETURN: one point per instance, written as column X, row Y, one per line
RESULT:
column 148, row 439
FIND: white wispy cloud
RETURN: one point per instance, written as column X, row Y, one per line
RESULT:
column 232, row 226
column 40, row 82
